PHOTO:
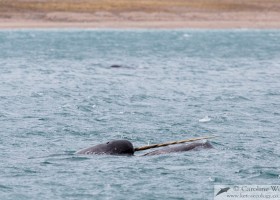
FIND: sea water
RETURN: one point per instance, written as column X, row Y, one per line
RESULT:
column 58, row 94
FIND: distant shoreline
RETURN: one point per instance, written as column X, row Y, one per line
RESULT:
column 33, row 24
column 148, row 14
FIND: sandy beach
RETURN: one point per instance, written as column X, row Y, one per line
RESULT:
column 216, row 14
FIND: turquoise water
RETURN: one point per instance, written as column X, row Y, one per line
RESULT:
column 58, row 94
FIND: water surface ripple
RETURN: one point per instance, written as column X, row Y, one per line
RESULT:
column 58, row 94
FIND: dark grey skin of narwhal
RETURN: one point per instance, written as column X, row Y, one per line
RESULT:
column 124, row 147
column 114, row 147
column 181, row 148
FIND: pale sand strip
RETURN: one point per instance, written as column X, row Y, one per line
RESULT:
column 126, row 20
column 142, row 25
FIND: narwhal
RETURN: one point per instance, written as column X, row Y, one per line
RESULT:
column 125, row 147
